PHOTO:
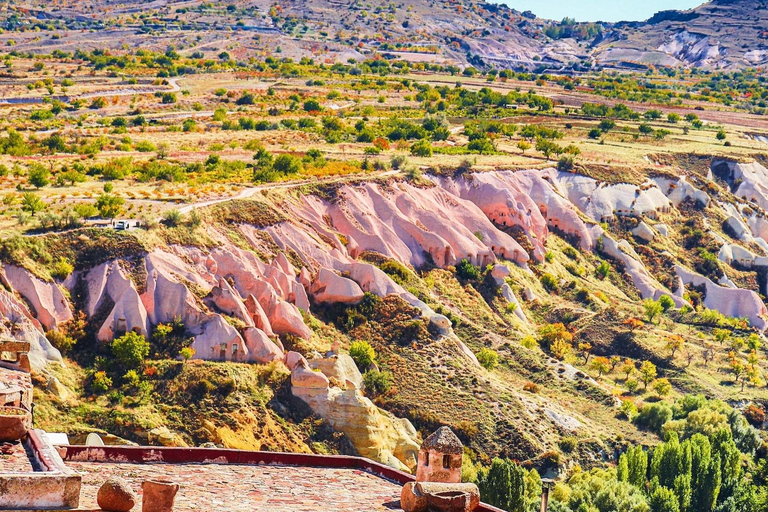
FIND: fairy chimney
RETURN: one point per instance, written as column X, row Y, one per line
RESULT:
column 440, row 458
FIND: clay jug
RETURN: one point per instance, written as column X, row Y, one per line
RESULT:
column 158, row 495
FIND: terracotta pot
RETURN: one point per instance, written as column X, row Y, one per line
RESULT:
column 15, row 422
column 158, row 495
column 449, row 501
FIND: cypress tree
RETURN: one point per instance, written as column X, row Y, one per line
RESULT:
column 730, row 462
column 503, row 485
column 637, row 466
column 701, row 458
column 663, row 500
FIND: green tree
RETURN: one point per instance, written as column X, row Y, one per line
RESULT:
column 422, row 148
column 669, row 460
column 72, row 176
column 721, row 335
column 636, row 464
column 652, row 309
column 645, row 129
column 32, row 203
column 130, row 350
column 287, row 164
column 187, row 353
column 503, row 485
column 663, row 500
column 647, row 372
column 661, row 386
column 312, row 105
column 110, row 206
column 601, row 365
column 38, row 176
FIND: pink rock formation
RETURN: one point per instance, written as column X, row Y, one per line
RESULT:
column 504, row 202
column 679, row 190
column 227, row 300
column 602, row 202
column 340, row 367
column 330, row 287
column 646, row 284
column 258, row 316
column 260, row 348
column 293, row 359
column 49, row 304
column 216, row 340
column 19, row 324
column 372, row 279
column 128, row 312
column 556, row 209
column 752, row 178
column 303, row 377
column 166, row 297
column 408, row 223
column 284, row 318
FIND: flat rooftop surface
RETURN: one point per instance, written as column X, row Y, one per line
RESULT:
column 235, row 488
column 16, row 461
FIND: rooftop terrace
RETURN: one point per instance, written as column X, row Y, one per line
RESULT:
column 234, row 488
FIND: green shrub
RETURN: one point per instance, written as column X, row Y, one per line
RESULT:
column 398, row 161
column 488, row 358
column 666, row 303
column 172, row 217
column 132, row 378
column 422, row 148
column 549, row 282
column 130, row 349
column 61, row 341
column 362, row 353
column 568, row 444
column 396, row 270
column 529, row 342
column 101, row 382
column 602, row 270
column 654, row 416
column 566, row 163
column 376, row 382
column 62, row 269
column 467, row 271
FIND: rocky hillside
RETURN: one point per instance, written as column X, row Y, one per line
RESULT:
column 487, row 297
column 720, row 34
column 457, row 32
column 717, row 34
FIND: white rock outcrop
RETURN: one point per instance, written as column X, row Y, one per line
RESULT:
column 733, row 302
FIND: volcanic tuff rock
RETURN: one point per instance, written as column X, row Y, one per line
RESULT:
column 236, row 305
column 375, row 433
column 717, row 34
column 48, row 302
column 458, row 218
